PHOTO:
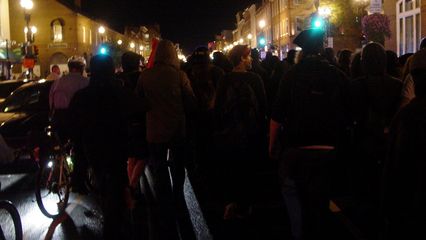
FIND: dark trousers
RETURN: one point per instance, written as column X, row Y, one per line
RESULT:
column 165, row 172
column 305, row 187
column 110, row 186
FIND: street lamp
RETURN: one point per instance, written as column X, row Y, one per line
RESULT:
column 27, row 5
column 29, row 60
column 262, row 24
column 119, row 42
column 101, row 31
column 249, row 37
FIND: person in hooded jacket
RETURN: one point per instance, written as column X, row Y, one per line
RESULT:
column 171, row 99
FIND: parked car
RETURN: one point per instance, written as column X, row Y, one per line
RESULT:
column 8, row 86
column 24, row 114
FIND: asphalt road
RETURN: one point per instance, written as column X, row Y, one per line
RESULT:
column 82, row 220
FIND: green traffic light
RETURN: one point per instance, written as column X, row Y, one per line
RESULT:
column 318, row 23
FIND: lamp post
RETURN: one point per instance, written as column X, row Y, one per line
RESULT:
column 29, row 60
column 27, row 5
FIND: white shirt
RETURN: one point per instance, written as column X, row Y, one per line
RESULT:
column 64, row 88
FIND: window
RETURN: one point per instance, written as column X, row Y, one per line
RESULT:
column 299, row 24
column 408, row 26
column 90, row 36
column 84, row 34
column 287, row 26
column 57, row 26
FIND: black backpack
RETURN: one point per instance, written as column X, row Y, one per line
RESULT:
column 315, row 106
column 239, row 115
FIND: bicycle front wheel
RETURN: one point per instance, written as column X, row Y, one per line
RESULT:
column 52, row 188
column 9, row 218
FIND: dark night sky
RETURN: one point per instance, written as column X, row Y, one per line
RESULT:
column 188, row 22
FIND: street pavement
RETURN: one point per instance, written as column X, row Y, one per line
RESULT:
column 83, row 218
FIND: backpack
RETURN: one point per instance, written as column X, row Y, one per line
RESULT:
column 315, row 107
column 239, row 115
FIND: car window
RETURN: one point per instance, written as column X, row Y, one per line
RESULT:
column 27, row 98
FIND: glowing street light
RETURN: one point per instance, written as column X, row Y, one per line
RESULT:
column 101, row 30
column 241, row 41
column 132, row 45
column 262, row 24
column 141, row 48
column 27, row 4
column 249, row 36
column 324, row 11
column 119, row 42
column 33, row 30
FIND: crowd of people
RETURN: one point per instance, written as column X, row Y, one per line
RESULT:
column 357, row 119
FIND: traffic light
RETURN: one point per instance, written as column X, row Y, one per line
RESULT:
column 103, row 49
column 262, row 41
column 35, row 50
column 317, row 23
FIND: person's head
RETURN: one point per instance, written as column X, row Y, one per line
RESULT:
column 222, row 61
column 130, row 61
column 311, row 41
column 373, row 59
column 418, row 72
column 240, row 57
column 291, row 56
column 200, row 56
column 76, row 64
column 423, row 44
column 55, row 69
column 255, row 55
column 345, row 57
column 356, row 69
column 329, row 55
column 101, row 69
column 167, row 54
column 392, row 63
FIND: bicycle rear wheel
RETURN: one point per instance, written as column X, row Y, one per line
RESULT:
column 9, row 217
column 52, row 188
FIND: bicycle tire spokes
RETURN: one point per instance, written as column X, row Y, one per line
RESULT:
column 52, row 195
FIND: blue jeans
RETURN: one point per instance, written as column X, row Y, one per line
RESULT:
column 305, row 186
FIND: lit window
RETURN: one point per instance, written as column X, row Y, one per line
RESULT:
column 57, row 29
column 408, row 26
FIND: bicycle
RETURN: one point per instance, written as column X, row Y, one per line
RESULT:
column 10, row 209
column 53, row 177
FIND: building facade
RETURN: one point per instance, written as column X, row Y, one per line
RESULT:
column 273, row 24
column 63, row 31
column 407, row 25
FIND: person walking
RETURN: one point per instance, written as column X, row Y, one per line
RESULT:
column 170, row 97
column 311, row 109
